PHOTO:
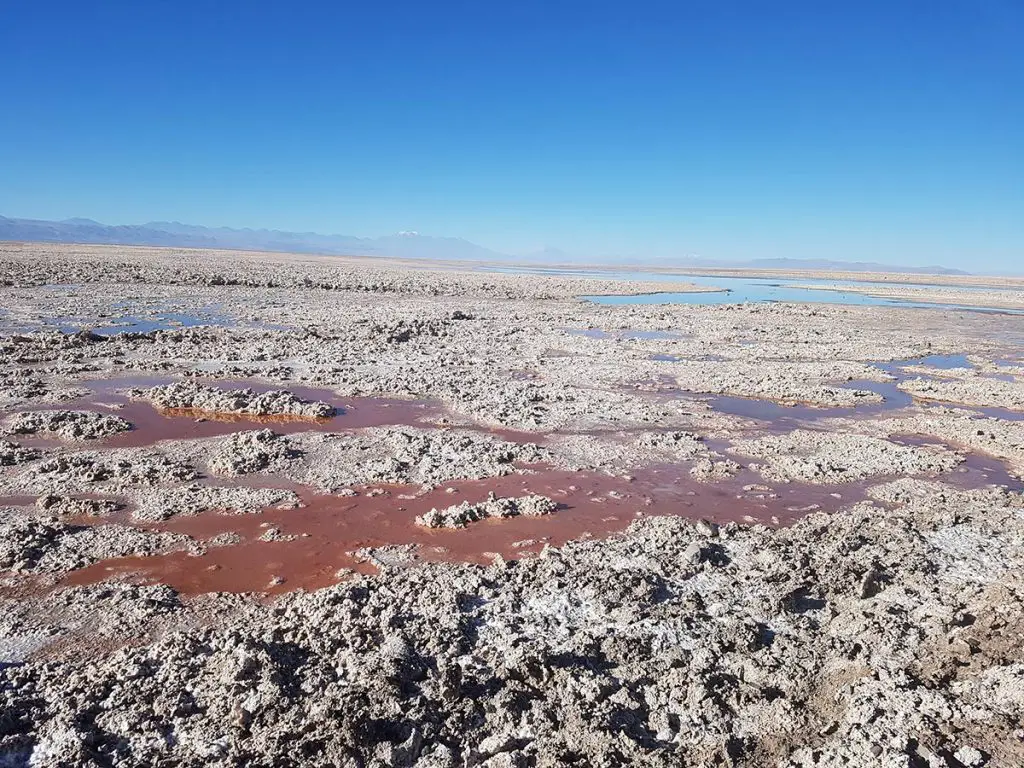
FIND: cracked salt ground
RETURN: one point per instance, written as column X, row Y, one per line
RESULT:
column 878, row 630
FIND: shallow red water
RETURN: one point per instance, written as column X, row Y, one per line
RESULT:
column 17, row 501
column 152, row 425
column 329, row 529
column 590, row 505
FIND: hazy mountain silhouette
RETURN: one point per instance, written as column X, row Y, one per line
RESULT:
column 849, row 266
column 405, row 245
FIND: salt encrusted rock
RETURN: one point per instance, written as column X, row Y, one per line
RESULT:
column 275, row 534
column 637, row 626
column 119, row 469
column 12, row 454
column 195, row 396
column 406, row 455
column 46, row 545
column 461, row 515
column 1000, row 438
column 973, row 390
column 707, row 469
column 194, row 499
column 67, row 506
column 22, row 387
column 389, row 556
column 261, row 450
column 832, row 457
column 969, row 757
column 68, row 425
column 681, row 445
column 24, row 542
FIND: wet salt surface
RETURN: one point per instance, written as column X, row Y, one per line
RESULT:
column 942, row 363
column 164, row 322
column 625, row 334
column 976, row 471
column 132, row 317
column 590, row 505
column 783, row 413
column 17, row 501
column 1008, row 377
column 947, row 363
column 666, row 358
column 739, row 290
column 706, row 281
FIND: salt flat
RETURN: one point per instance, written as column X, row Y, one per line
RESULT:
column 217, row 471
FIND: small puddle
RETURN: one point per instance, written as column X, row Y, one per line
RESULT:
column 894, row 398
column 1010, row 378
column 781, row 416
column 791, row 415
column 166, row 321
column 330, row 528
column 140, row 318
column 939, row 362
column 983, row 410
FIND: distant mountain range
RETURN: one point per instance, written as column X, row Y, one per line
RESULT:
column 404, row 245
column 826, row 265
column 172, row 233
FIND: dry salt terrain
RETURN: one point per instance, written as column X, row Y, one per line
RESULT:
column 273, row 510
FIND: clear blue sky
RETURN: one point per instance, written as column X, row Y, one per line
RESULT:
column 872, row 129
